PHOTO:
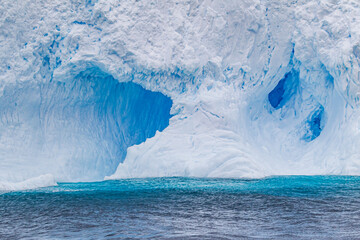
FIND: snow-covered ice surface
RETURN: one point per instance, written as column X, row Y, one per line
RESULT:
column 36, row 182
column 257, row 88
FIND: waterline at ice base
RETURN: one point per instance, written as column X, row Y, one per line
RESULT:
column 105, row 89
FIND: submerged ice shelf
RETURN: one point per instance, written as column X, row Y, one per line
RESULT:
column 206, row 89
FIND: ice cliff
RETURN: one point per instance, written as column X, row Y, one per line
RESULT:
column 115, row 89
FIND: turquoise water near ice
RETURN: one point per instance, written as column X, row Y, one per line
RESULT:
column 286, row 207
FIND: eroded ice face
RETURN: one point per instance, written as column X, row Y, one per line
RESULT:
column 78, row 129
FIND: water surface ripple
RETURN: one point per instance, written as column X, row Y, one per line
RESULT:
column 293, row 207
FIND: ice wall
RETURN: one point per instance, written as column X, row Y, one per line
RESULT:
column 258, row 87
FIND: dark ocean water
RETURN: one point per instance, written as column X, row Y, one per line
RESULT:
column 293, row 207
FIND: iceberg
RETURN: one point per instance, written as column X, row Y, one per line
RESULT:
column 102, row 89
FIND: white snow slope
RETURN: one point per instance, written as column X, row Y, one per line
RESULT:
column 258, row 88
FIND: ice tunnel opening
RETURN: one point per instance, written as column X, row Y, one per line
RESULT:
column 78, row 129
column 284, row 90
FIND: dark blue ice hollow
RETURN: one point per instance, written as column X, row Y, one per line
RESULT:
column 284, row 91
column 314, row 124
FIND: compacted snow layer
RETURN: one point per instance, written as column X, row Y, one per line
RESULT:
column 257, row 88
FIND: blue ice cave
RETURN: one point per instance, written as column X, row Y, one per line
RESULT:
column 84, row 124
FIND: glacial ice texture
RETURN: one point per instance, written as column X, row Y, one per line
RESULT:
column 256, row 88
